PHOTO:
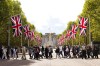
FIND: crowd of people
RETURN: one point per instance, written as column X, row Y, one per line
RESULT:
column 35, row 52
column 40, row 52
column 77, row 51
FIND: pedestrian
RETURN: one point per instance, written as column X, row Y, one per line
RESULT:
column 37, row 52
column 74, row 52
column 57, row 51
column 42, row 50
column 46, row 52
column 83, row 51
column 8, row 52
column 95, row 52
column 16, row 48
column 50, row 51
column 14, row 53
column 60, row 50
column 4, row 56
column 30, row 52
column 89, row 50
column 23, row 53
column 32, row 55
column 77, row 51
column 65, row 54
column 1, row 51
column 67, row 51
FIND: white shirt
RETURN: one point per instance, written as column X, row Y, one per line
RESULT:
column 60, row 48
column 83, row 48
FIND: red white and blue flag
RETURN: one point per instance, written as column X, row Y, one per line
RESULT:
column 16, row 25
column 68, row 34
column 74, row 30
column 32, row 35
column 83, row 25
column 58, row 41
column 62, row 39
column 38, row 39
column 26, row 31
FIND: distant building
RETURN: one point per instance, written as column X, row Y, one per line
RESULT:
column 49, row 39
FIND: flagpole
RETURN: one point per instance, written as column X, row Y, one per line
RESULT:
column 28, row 42
column 89, row 33
column 8, row 30
column 72, row 40
column 8, row 34
column 79, row 32
column 21, row 40
column 66, row 41
column 79, row 39
column 84, row 39
column 9, row 53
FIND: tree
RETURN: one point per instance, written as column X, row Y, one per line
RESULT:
column 91, row 10
column 10, row 8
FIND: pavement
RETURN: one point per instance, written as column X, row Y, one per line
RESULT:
column 51, row 62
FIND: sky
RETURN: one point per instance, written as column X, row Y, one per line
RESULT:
column 51, row 15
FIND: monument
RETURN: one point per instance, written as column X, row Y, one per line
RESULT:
column 49, row 39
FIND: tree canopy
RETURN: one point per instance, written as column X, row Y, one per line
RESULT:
column 9, row 8
column 91, row 10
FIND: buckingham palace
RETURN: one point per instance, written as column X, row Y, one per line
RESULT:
column 49, row 39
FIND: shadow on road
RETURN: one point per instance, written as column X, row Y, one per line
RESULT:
column 15, row 62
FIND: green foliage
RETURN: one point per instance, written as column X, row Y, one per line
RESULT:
column 10, row 8
column 91, row 10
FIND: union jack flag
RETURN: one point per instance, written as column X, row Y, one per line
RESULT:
column 32, row 35
column 83, row 25
column 16, row 25
column 38, row 39
column 74, row 29
column 62, row 39
column 59, row 41
column 68, row 34
column 26, row 31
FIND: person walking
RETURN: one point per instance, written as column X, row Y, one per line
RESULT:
column 4, row 56
column 60, row 50
column 42, row 50
column 50, row 51
column 57, row 51
column 46, row 52
column 23, row 53
column 83, row 51
column 14, row 53
column 95, row 52
column 37, row 52
column 67, row 51
column 1, row 51
column 89, row 50
column 65, row 54
column 30, row 52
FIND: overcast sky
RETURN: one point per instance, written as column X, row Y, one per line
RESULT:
column 51, row 15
